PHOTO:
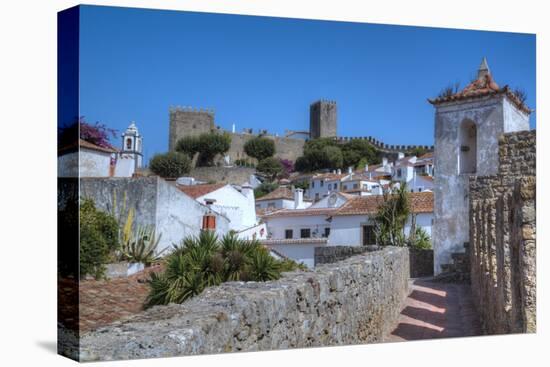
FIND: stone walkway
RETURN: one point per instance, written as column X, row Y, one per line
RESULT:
column 436, row 310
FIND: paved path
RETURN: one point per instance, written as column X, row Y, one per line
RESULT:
column 436, row 310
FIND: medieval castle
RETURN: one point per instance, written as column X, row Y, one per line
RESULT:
column 323, row 123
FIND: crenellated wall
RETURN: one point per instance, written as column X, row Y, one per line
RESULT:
column 356, row 300
column 503, row 238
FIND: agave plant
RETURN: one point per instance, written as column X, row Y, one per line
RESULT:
column 264, row 267
column 141, row 246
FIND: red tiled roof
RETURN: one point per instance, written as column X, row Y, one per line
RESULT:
column 87, row 145
column 196, row 191
column 420, row 202
column 278, row 193
column 482, row 87
column 329, row 176
column 428, row 155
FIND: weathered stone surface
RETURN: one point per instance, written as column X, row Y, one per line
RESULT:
column 332, row 254
column 502, row 236
column 421, row 262
column 353, row 301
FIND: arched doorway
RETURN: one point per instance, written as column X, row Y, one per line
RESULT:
column 467, row 159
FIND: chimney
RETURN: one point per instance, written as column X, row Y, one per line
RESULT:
column 298, row 198
column 350, row 170
column 400, row 155
column 384, row 161
column 366, row 167
column 339, row 171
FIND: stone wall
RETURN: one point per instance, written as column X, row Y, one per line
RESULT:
column 232, row 175
column 354, row 301
column 502, row 238
column 332, row 254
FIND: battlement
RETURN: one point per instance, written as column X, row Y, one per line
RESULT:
column 387, row 148
column 189, row 109
column 325, row 101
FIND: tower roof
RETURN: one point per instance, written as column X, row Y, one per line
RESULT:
column 132, row 129
column 483, row 86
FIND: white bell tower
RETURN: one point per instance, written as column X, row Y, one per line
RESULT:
column 132, row 145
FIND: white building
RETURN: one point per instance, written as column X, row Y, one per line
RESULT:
column 468, row 126
column 282, row 198
column 337, row 220
column 320, row 185
column 85, row 159
column 237, row 204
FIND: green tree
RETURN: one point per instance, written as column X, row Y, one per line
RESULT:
column 212, row 144
column 170, row 165
column 188, row 145
column 271, row 167
column 391, row 217
column 260, row 148
column 357, row 150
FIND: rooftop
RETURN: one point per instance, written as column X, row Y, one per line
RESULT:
column 86, row 145
column 483, row 86
column 196, row 191
column 420, row 202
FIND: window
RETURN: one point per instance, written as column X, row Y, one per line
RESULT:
column 327, row 232
column 305, row 233
column 399, row 172
column 316, row 196
column 128, row 144
column 355, row 186
column 312, row 184
column 369, row 238
column 289, row 233
column 322, row 183
column 335, row 185
column 468, row 147
column 329, row 186
column 271, row 205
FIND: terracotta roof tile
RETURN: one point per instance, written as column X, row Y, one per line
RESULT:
column 482, row 87
column 87, row 145
column 298, row 241
column 278, row 193
column 196, row 191
column 300, row 212
column 421, row 202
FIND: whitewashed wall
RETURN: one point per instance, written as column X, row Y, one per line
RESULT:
column 277, row 226
column 94, row 164
column 239, row 208
column 301, row 253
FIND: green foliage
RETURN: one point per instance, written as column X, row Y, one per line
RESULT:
column 208, row 145
column 270, row 167
column 391, row 217
column 170, row 165
column 420, row 240
column 244, row 163
column 205, row 261
column 140, row 246
column 327, row 153
column 264, row 189
column 357, row 150
column 260, row 148
column 98, row 239
column 291, row 265
column 188, row 145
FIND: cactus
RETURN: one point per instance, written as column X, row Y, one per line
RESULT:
column 141, row 246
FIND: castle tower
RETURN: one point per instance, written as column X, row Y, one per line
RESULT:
column 468, row 125
column 188, row 122
column 132, row 145
column 322, row 119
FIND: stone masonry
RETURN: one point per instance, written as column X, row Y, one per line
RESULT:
column 502, row 238
column 357, row 300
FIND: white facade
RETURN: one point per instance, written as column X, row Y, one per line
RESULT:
column 93, row 163
column 132, row 145
column 236, row 205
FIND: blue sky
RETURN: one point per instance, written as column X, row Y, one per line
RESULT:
column 263, row 72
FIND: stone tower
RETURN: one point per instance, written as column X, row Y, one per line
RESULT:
column 322, row 119
column 188, row 122
column 468, row 125
column 132, row 145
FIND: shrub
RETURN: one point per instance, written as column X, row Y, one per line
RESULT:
column 204, row 261
column 260, row 148
column 357, row 150
column 170, row 165
column 98, row 239
column 141, row 246
column 391, row 217
column 420, row 240
column 270, row 167
column 320, row 154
